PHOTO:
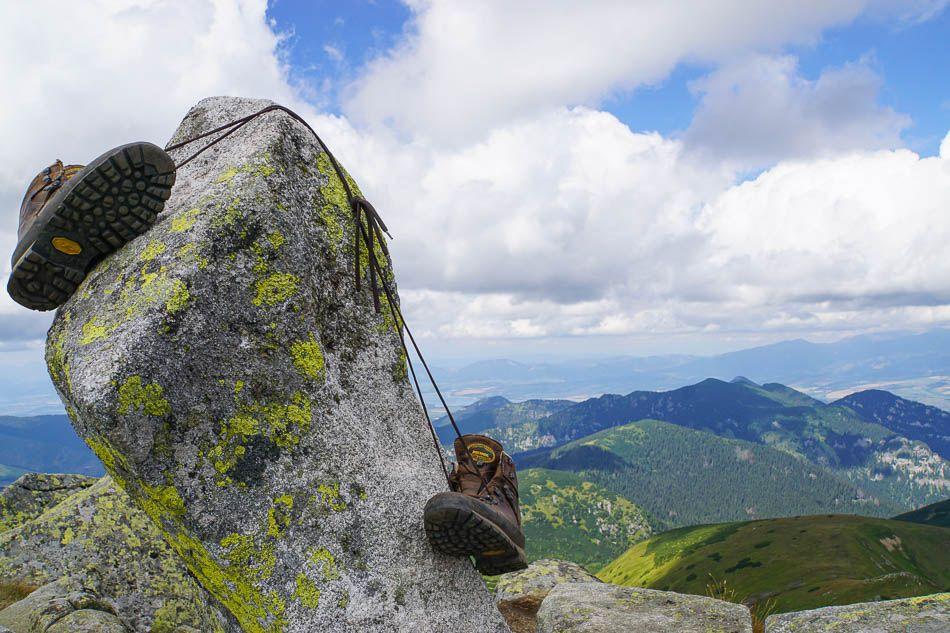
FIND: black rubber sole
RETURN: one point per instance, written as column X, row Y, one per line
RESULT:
column 456, row 528
column 110, row 202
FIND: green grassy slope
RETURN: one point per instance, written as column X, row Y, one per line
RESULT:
column 570, row 518
column 800, row 563
column 685, row 477
column 934, row 514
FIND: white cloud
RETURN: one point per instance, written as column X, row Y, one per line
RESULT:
column 469, row 66
column 759, row 110
column 865, row 230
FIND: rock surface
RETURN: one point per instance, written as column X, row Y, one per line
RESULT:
column 926, row 614
column 64, row 606
column 603, row 608
column 251, row 401
column 520, row 593
column 32, row 494
column 539, row 578
column 98, row 539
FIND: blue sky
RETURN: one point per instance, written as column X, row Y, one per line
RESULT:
column 910, row 57
column 562, row 178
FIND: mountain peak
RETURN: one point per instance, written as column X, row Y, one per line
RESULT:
column 743, row 380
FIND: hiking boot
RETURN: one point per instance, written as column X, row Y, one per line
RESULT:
column 73, row 216
column 480, row 517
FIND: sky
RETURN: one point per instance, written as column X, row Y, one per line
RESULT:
column 561, row 178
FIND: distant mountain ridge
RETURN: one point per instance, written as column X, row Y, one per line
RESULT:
column 45, row 443
column 496, row 412
column 916, row 366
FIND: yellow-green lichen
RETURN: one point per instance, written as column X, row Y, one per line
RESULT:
column 325, row 561
column 93, row 330
column 283, row 423
column 152, row 250
column 180, row 297
column 308, row 358
column 135, row 395
column 307, row 592
column 276, row 239
column 278, row 517
column 258, row 165
column 275, row 288
column 330, row 495
column 234, row 584
column 185, row 221
column 56, row 357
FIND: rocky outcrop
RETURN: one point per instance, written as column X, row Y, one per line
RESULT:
column 98, row 540
column 520, row 593
column 64, row 606
column 926, row 614
column 539, row 579
column 32, row 494
column 234, row 381
column 603, row 608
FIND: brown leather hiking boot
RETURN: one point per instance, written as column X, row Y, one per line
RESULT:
column 73, row 216
column 481, row 517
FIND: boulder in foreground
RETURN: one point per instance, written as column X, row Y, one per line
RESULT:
column 33, row 493
column 236, row 384
column 520, row 593
column 97, row 540
column 926, row 614
column 64, row 606
column 603, row 608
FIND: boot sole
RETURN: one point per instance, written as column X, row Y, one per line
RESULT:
column 110, row 202
column 455, row 527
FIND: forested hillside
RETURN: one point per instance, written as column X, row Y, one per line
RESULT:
column 910, row 419
column 570, row 518
column 683, row 477
column 934, row 514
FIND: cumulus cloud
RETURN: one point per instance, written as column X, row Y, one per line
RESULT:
column 760, row 110
column 466, row 67
column 592, row 229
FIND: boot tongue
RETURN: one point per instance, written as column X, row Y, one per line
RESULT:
column 484, row 451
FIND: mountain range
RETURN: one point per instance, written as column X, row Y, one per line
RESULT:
column 45, row 443
column 886, row 457
column 915, row 366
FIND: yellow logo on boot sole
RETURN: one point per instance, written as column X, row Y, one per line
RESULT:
column 66, row 245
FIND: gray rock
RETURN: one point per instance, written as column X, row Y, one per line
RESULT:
column 88, row 621
column 926, row 614
column 603, row 608
column 520, row 593
column 64, row 606
column 539, row 578
column 96, row 537
column 250, row 400
column 34, row 493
